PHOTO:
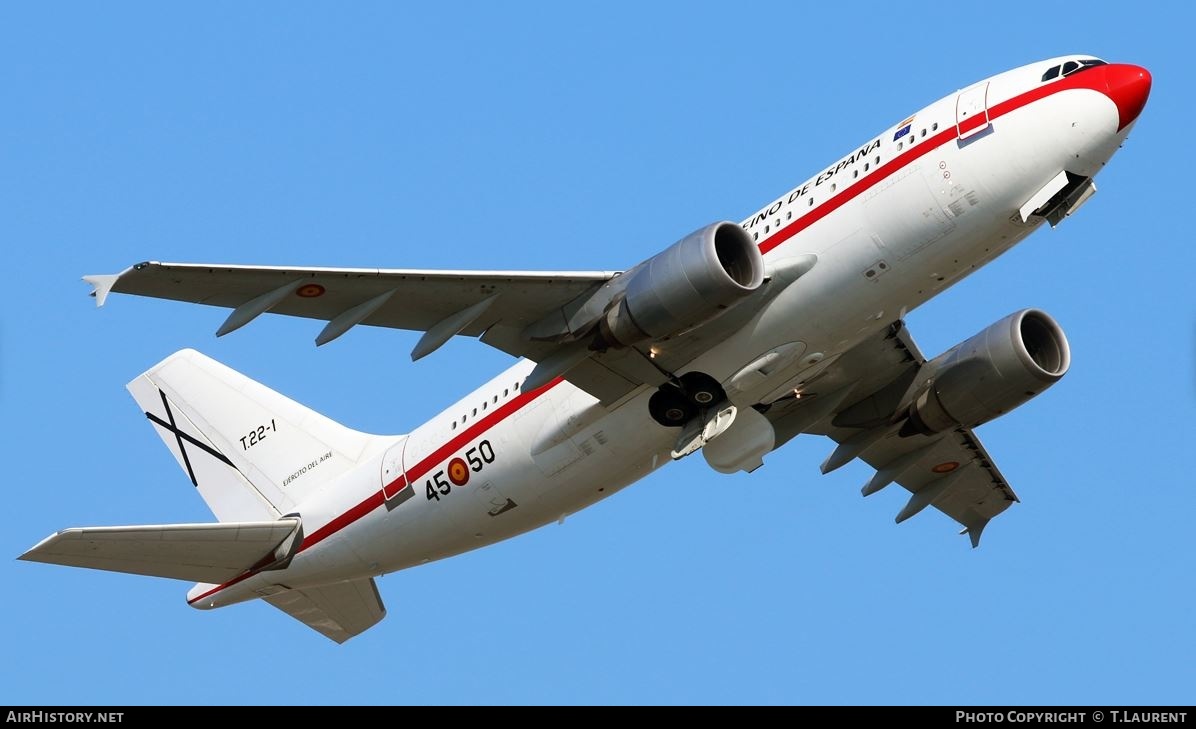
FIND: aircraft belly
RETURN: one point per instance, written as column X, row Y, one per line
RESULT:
column 521, row 490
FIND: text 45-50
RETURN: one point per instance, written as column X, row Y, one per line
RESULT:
column 458, row 470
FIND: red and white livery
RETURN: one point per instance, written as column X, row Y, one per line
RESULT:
column 730, row 342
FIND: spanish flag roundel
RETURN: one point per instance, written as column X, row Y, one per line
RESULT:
column 458, row 472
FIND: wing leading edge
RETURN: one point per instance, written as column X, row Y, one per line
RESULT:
column 410, row 299
column 496, row 306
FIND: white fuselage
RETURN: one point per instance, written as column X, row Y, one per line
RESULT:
column 896, row 221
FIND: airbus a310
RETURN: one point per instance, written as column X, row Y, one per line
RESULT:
column 730, row 342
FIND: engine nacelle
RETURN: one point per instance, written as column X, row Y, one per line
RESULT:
column 687, row 284
column 990, row 374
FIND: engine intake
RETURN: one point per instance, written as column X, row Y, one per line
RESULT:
column 687, row 284
column 990, row 374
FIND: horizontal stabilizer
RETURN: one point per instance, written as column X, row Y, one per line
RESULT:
column 212, row 553
column 339, row 611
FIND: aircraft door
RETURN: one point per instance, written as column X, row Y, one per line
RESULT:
column 971, row 111
column 395, row 489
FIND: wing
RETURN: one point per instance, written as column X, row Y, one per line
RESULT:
column 196, row 552
column 497, row 304
column 339, row 611
column 412, row 299
column 518, row 312
column 853, row 402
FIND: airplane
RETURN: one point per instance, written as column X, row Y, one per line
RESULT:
column 731, row 342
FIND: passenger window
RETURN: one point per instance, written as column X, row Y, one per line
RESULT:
column 934, row 127
column 1053, row 72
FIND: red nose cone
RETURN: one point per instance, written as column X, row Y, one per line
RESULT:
column 1128, row 88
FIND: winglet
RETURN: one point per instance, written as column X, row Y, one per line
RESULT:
column 102, row 285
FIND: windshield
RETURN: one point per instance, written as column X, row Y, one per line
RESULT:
column 1067, row 69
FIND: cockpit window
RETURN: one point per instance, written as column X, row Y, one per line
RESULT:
column 1087, row 63
column 1071, row 67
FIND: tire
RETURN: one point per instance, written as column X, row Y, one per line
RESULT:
column 670, row 407
column 702, row 389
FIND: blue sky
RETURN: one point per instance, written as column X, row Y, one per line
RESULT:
column 591, row 136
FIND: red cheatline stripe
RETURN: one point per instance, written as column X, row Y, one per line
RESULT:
column 479, row 428
column 418, row 470
column 376, row 499
column 1085, row 80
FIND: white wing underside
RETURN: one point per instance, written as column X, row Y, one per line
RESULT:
column 416, row 300
column 496, row 306
column 950, row 471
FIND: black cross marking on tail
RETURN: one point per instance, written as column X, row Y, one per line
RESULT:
column 180, row 436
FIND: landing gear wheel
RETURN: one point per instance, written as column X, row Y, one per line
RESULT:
column 670, row 407
column 702, row 389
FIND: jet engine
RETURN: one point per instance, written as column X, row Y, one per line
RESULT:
column 990, row 374
column 687, row 284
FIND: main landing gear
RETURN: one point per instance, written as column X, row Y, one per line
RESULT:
column 678, row 402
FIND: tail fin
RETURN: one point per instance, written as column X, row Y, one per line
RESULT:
column 252, row 453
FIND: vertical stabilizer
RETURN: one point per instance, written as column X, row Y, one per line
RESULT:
column 252, row 453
